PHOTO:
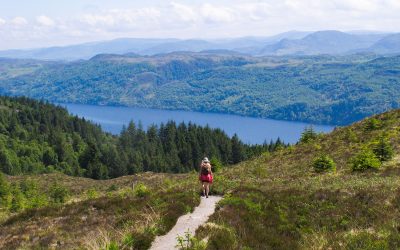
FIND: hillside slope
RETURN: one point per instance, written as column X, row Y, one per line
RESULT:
column 320, row 89
column 279, row 201
column 39, row 137
column 276, row 201
column 329, row 42
column 95, row 214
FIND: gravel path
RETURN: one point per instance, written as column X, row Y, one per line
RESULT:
column 189, row 221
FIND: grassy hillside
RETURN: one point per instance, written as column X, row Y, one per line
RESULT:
column 276, row 201
column 279, row 201
column 321, row 89
column 128, row 211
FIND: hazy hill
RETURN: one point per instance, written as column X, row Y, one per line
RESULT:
column 387, row 45
column 87, row 50
column 322, row 42
column 287, row 43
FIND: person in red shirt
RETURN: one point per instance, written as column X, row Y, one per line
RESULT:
column 205, row 176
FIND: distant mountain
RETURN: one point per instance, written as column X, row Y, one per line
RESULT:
column 185, row 45
column 387, row 45
column 322, row 42
column 288, row 43
column 87, row 50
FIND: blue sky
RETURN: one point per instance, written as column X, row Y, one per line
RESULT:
column 41, row 23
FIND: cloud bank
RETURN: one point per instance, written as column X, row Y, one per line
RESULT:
column 204, row 19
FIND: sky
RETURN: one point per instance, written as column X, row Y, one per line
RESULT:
column 44, row 23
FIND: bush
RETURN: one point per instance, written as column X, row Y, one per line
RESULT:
column 5, row 193
column 216, row 164
column 372, row 124
column 365, row 160
column 141, row 190
column 92, row 193
column 58, row 193
column 324, row 163
column 18, row 199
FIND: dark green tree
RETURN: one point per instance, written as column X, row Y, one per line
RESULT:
column 238, row 153
column 383, row 149
column 308, row 135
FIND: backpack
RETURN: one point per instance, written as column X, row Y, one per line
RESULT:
column 205, row 170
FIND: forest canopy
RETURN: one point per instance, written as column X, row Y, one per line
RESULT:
column 39, row 137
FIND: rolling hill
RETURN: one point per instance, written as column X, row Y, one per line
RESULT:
column 321, row 89
column 387, row 45
column 279, row 200
column 323, row 42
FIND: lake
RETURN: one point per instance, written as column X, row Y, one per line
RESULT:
column 250, row 130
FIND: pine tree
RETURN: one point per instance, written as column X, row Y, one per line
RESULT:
column 383, row 149
column 308, row 135
column 237, row 150
column 18, row 200
column 5, row 192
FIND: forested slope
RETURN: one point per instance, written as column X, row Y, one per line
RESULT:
column 38, row 137
column 320, row 89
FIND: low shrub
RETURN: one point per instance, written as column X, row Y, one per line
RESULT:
column 372, row 124
column 92, row 193
column 365, row 160
column 216, row 164
column 324, row 163
column 141, row 190
column 58, row 193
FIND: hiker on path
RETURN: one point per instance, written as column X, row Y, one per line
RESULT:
column 206, row 176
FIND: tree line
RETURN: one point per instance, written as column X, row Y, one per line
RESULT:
column 39, row 137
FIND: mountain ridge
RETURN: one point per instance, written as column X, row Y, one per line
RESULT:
column 298, row 42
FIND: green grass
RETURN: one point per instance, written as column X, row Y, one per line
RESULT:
column 279, row 201
column 135, row 210
column 276, row 201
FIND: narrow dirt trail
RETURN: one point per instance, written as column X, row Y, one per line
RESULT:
column 188, row 221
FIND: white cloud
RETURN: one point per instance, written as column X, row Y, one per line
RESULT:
column 184, row 12
column 45, row 21
column 121, row 19
column 19, row 21
column 216, row 13
column 203, row 19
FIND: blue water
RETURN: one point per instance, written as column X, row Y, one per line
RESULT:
column 250, row 130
